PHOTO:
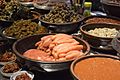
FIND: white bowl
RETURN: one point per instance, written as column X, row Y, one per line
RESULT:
column 31, row 75
column 7, row 74
column 3, row 63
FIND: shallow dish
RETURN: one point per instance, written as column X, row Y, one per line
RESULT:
column 30, row 74
column 42, row 7
column 8, row 74
column 6, row 62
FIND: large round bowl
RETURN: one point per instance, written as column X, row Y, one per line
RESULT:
column 13, row 38
column 96, row 42
column 22, row 45
column 69, row 27
column 96, row 67
column 111, row 8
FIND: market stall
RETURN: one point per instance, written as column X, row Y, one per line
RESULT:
column 59, row 39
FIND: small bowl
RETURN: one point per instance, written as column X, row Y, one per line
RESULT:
column 99, row 43
column 8, row 74
column 30, row 74
column 6, row 62
column 6, row 47
column 96, row 67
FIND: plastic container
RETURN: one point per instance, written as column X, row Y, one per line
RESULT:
column 87, row 9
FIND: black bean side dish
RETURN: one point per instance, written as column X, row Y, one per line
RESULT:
column 117, row 2
column 61, row 14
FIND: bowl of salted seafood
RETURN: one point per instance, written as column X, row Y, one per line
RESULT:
column 50, row 52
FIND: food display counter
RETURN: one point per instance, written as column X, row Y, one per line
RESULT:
column 47, row 36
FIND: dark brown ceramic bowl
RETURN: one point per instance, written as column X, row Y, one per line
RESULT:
column 69, row 27
column 22, row 45
column 111, row 8
column 99, row 43
column 12, row 39
column 90, row 67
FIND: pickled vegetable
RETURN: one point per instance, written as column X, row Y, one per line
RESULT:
column 61, row 14
column 22, row 28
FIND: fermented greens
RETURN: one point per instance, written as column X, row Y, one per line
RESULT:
column 22, row 28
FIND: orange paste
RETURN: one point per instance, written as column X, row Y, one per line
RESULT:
column 98, row 69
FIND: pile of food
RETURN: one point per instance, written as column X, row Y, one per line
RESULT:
column 61, row 14
column 59, row 47
column 102, row 20
column 11, row 68
column 104, row 32
column 22, row 28
column 8, row 8
column 7, row 56
column 23, row 76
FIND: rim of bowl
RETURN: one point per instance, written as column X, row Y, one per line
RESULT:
column 51, row 62
column 3, row 63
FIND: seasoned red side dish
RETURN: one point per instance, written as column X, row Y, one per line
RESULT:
column 59, row 47
column 98, row 69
